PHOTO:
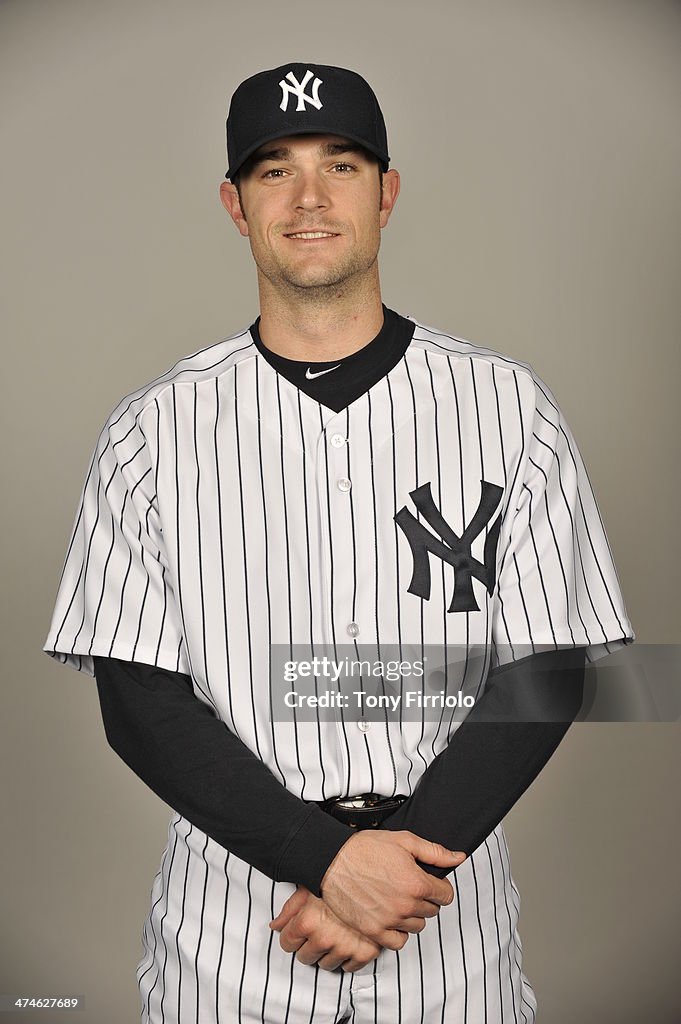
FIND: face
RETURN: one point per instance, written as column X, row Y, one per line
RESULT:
column 312, row 209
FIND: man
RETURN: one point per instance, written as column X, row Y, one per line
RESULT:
column 336, row 475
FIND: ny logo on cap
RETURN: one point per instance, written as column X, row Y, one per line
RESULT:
column 298, row 89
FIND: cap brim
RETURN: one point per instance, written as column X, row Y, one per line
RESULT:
column 309, row 130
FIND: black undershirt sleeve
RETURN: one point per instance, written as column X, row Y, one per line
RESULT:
column 191, row 759
column 497, row 752
column 194, row 762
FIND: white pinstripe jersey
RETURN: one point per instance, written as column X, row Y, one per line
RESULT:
column 224, row 510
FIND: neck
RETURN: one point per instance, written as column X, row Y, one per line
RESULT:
column 320, row 327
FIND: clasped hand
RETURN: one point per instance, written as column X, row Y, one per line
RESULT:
column 373, row 896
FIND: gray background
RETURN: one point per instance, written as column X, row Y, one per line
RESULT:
column 540, row 156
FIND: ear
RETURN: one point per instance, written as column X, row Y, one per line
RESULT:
column 391, row 190
column 229, row 198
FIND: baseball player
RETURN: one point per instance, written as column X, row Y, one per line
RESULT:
column 335, row 474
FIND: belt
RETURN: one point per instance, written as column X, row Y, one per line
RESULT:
column 367, row 810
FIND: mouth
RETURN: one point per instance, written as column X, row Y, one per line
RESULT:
column 310, row 236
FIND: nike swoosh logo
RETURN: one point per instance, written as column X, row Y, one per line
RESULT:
column 310, row 376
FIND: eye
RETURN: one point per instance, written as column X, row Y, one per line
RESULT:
column 272, row 172
column 344, row 166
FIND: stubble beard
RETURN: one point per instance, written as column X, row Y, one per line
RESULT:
column 338, row 279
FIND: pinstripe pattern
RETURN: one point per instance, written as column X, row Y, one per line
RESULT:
column 211, row 525
column 464, row 967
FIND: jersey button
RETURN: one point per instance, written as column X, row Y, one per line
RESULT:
column 363, row 726
column 353, row 629
column 337, row 440
column 344, row 484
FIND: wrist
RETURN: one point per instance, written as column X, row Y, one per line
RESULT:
column 311, row 850
column 335, row 863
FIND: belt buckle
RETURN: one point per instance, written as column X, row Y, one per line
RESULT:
column 351, row 803
column 355, row 811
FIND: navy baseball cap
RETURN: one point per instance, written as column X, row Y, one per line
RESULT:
column 299, row 99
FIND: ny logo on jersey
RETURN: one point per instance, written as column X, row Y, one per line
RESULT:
column 293, row 86
column 458, row 553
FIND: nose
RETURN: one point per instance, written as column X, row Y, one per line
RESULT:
column 311, row 192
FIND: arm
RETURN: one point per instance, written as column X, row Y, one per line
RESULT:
column 189, row 758
column 492, row 758
column 195, row 763
column 496, row 753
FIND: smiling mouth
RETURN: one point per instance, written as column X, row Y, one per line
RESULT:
column 311, row 235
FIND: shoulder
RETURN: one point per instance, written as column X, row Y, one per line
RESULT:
column 534, row 394
column 204, row 365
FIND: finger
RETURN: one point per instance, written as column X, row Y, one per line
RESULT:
column 291, row 938
column 290, row 908
column 424, row 908
column 362, row 955
column 356, row 963
column 310, row 953
column 358, row 952
column 412, row 925
column 286, row 914
column 438, row 891
column 392, row 939
column 411, row 910
column 431, row 853
column 290, row 945
column 332, row 961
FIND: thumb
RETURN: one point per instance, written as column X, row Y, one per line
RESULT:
column 289, row 910
column 432, row 853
